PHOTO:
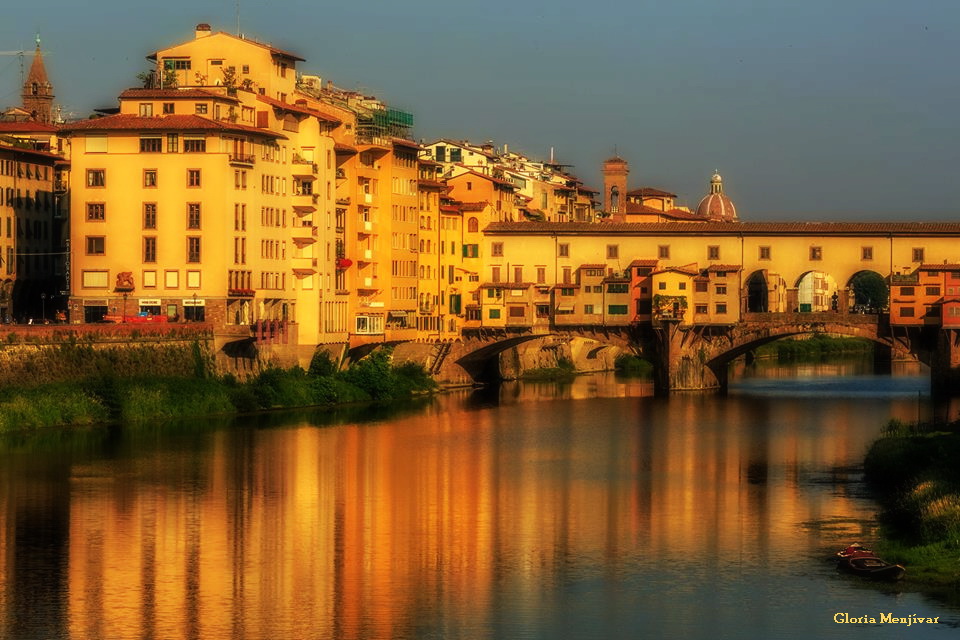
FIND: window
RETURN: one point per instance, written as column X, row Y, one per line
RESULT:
column 662, row 286
column 683, row 286
column 149, row 215
column 933, row 291
column 193, row 177
column 918, row 254
column 96, row 211
column 906, row 291
column 496, row 249
column 151, row 144
column 663, row 251
column 541, row 275
column 816, row 253
column 617, row 309
column 516, row 312
column 618, row 287
column 494, row 314
column 764, row 253
column 96, row 177
column 96, row 245
column 700, row 286
column 173, row 143
column 701, row 309
column 906, row 312
column 146, row 109
column 563, row 250
column 588, row 309
column 150, row 249
column 495, row 274
column 566, row 292
column 193, row 249
column 713, row 252
column 473, row 226
column 149, row 178
column 721, row 308
column 194, row 145
column 193, row 215
column 470, row 250
column 200, row 108
column 721, row 289
column 866, row 253
column 180, row 65
column 518, row 274
column 613, row 251
column 167, row 107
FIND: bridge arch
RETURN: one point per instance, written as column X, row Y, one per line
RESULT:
column 756, row 334
column 869, row 292
column 817, row 291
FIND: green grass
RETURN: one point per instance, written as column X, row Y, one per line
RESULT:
column 914, row 471
column 633, row 366
column 564, row 371
column 105, row 397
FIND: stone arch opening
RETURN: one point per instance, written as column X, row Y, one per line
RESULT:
column 869, row 292
column 817, row 292
column 758, row 300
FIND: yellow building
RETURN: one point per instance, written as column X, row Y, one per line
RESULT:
column 262, row 196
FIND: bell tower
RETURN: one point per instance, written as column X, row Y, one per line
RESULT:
column 37, row 91
column 615, row 172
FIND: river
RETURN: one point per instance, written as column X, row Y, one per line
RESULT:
column 534, row 510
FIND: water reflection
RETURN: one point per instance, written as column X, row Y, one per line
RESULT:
column 528, row 513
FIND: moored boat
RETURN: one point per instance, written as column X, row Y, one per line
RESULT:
column 860, row 561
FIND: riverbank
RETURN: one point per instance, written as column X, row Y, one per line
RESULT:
column 816, row 347
column 108, row 397
column 913, row 470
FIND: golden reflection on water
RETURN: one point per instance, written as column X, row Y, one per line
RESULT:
column 376, row 530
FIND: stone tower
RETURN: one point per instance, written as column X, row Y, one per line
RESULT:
column 37, row 90
column 615, row 172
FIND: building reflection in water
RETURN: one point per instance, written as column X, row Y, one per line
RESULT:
column 450, row 518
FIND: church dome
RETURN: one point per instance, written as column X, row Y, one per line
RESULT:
column 717, row 206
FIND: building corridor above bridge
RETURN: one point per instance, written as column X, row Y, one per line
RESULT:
column 618, row 274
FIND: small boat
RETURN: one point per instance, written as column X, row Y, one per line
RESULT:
column 860, row 561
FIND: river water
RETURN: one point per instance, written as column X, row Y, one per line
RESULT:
column 588, row 510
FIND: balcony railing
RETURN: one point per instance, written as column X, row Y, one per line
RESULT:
column 242, row 158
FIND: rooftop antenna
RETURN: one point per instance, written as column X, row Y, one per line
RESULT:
column 238, row 18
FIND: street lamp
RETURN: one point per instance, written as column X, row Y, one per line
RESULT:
column 43, row 307
column 124, row 316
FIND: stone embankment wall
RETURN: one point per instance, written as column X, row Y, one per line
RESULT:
column 37, row 355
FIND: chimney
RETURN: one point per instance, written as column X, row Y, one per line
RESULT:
column 202, row 30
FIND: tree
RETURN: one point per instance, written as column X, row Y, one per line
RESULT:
column 870, row 290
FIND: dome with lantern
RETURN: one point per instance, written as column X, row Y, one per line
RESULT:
column 716, row 206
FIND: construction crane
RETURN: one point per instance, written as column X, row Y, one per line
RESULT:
column 16, row 53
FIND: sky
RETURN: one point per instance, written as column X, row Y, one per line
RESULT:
column 811, row 110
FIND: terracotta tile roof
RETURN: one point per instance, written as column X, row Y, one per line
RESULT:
column 270, row 48
column 651, row 192
column 450, row 208
column 474, row 206
column 724, row 267
column 298, row 108
column 484, row 176
column 728, row 228
column 27, row 127
column 684, row 270
column 506, row 285
column 403, row 142
column 130, row 122
column 431, row 184
column 592, row 266
column 185, row 93
column 940, row 267
column 340, row 147
column 31, row 152
column 644, row 263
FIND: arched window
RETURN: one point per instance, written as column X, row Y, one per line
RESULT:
column 473, row 225
column 614, row 200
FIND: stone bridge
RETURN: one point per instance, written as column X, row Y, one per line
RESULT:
column 696, row 358
column 692, row 358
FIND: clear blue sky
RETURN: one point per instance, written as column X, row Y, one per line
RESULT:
column 811, row 110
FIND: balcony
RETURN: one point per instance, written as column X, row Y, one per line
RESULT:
column 343, row 201
column 242, row 159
